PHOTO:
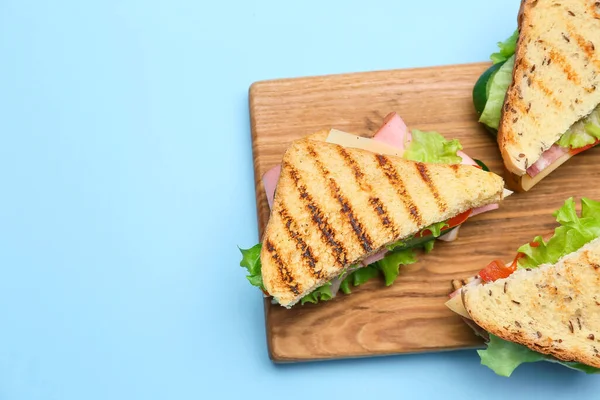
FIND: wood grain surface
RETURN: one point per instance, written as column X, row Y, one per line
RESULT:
column 409, row 316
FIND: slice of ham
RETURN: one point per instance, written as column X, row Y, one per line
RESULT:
column 374, row 257
column 466, row 160
column 547, row 158
column 480, row 210
column 270, row 179
column 393, row 132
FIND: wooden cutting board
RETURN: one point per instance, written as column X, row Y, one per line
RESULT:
column 410, row 315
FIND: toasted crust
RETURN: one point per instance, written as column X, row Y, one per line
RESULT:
column 334, row 206
column 552, row 309
column 556, row 73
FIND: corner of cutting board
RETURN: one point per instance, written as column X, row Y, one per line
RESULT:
column 254, row 88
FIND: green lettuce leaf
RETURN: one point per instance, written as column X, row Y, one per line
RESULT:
column 323, row 293
column 507, row 48
column 390, row 264
column 345, row 286
column 504, row 357
column 498, row 87
column 251, row 261
column 436, row 229
column 431, row 147
column 580, row 134
column 400, row 244
column 362, row 275
column 428, row 246
column 572, row 234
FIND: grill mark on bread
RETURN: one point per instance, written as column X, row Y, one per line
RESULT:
column 284, row 273
column 357, row 227
column 548, row 92
column 381, row 211
column 394, row 179
column 424, row 174
column 532, row 80
column 305, row 250
column 335, row 192
column 327, row 233
column 585, row 45
column 358, row 174
column 567, row 68
column 378, row 206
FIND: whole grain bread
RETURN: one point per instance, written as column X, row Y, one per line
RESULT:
column 556, row 77
column 552, row 309
column 334, row 206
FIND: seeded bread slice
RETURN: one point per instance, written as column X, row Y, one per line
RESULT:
column 556, row 78
column 552, row 309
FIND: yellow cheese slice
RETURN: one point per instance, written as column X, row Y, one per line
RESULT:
column 456, row 305
column 528, row 182
column 358, row 142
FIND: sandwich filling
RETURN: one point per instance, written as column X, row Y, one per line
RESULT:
column 392, row 138
column 488, row 97
column 574, row 232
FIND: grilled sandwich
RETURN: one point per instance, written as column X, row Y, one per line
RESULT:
column 544, row 305
column 346, row 209
column 542, row 93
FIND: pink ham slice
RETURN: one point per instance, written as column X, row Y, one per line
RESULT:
column 270, row 179
column 483, row 209
column 547, row 158
column 466, row 160
column 393, row 132
column 374, row 258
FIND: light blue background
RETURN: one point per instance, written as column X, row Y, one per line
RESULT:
column 126, row 185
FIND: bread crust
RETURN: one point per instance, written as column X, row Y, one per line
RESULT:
column 505, row 133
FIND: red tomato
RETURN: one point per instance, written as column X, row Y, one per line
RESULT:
column 496, row 270
column 452, row 222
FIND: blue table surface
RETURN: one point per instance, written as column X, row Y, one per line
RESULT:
column 127, row 185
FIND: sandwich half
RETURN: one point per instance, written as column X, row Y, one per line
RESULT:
column 545, row 305
column 345, row 209
column 541, row 95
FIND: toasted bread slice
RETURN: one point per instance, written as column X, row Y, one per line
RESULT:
column 556, row 78
column 335, row 206
column 552, row 309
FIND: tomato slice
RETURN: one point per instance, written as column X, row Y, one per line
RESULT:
column 452, row 222
column 459, row 219
column 497, row 270
column 584, row 148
